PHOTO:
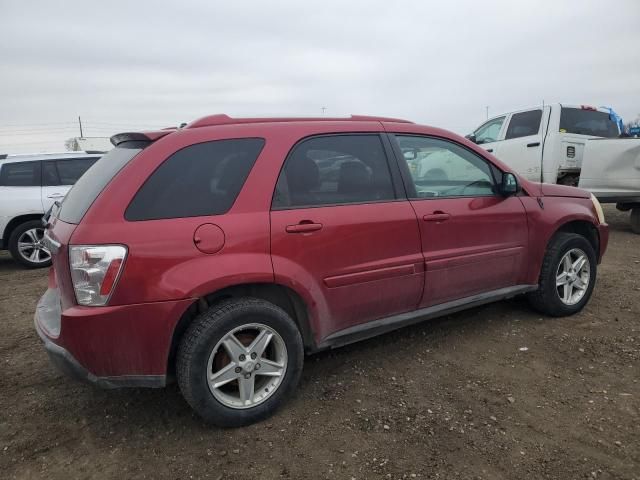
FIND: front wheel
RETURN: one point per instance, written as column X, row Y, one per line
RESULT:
column 567, row 276
column 239, row 361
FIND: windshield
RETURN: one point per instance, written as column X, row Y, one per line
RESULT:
column 89, row 186
column 588, row 122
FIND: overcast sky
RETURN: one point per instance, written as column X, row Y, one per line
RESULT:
column 123, row 65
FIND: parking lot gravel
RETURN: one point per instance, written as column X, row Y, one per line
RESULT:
column 497, row 392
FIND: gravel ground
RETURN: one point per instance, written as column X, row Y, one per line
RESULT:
column 494, row 392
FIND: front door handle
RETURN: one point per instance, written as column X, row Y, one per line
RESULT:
column 303, row 227
column 490, row 150
column 533, row 144
column 436, row 217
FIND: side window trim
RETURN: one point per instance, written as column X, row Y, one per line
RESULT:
column 412, row 194
column 397, row 182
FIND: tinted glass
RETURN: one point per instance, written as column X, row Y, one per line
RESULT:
column 89, row 186
column 65, row 171
column 587, row 122
column 524, row 124
column 440, row 168
column 20, row 174
column 489, row 132
column 202, row 179
column 335, row 169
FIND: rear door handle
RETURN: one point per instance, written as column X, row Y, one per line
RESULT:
column 303, row 227
column 436, row 217
column 533, row 144
column 56, row 195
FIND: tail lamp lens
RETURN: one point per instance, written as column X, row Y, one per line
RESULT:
column 94, row 271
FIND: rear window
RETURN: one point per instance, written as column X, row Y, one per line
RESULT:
column 89, row 186
column 202, row 179
column 20, row 174
column 588, row 122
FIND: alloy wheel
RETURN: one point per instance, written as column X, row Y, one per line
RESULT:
column 247, row 366
column 573, row 276
column 31, row 246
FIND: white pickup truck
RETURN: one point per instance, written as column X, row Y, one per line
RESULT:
column 573, row 145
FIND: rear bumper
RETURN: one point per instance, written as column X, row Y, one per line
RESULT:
column 119, row 346
column 66, row 363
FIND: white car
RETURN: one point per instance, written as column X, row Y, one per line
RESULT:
column 575, row 145
column 29, row 185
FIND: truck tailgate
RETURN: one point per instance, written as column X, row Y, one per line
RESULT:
column 611, row 169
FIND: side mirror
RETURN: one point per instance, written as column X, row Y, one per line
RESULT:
column 410, row 154
column 509, row 185
column 471, row 137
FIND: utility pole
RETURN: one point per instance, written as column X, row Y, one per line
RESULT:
column 487, row 109
column 80, row 124
column 323, row 109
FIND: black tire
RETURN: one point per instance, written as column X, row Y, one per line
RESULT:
column 203, row 335
column 13, row 244
column 634, row 220
column 547, row 299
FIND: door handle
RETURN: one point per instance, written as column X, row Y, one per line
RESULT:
column 436, row 217
column 533, row 144
column 303, row 227
column 490, row 150
column 55, row 195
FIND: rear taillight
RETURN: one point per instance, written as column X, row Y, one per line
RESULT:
column 94, row 271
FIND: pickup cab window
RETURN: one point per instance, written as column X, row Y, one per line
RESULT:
column 488, row 132
column 524, row 124
column 590, row 122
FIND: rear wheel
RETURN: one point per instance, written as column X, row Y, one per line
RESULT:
column 567, row 276
column 634, row 219
column 239, row 361
column 27, row 247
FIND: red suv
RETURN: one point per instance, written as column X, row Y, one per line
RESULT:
column 222, row 252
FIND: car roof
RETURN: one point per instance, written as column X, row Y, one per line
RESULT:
column 26, row 157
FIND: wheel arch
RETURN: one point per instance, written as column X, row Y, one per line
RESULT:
column 282, row 296
column 14, row 223
column 584, row 228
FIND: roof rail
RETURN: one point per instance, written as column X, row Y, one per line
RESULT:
column 223, row 119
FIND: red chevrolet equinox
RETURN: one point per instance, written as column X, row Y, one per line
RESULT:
column 221, row 253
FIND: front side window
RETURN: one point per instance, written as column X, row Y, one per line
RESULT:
column 489, row 132
column 524, row 124
column 65, row 171
column 201, row 179
column 334, row 170
column 20, row 174
column 440, row 168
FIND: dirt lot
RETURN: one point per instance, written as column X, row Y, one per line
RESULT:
column 452, row 398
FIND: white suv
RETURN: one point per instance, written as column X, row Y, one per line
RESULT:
column 29, row 185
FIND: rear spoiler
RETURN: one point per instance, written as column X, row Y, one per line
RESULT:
column 150, row 137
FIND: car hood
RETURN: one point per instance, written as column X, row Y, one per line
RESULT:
column 552, row 190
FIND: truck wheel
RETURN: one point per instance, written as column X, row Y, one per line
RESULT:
column 634, row 219
column 26, row 247
column 239, row 361
column 567, row 277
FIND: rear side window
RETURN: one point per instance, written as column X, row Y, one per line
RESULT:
column 89, row 186
column 202, row 179
column 587, row 122
column 524, row 124
column 20, row 174
column 65, row 171
column 334, row 170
